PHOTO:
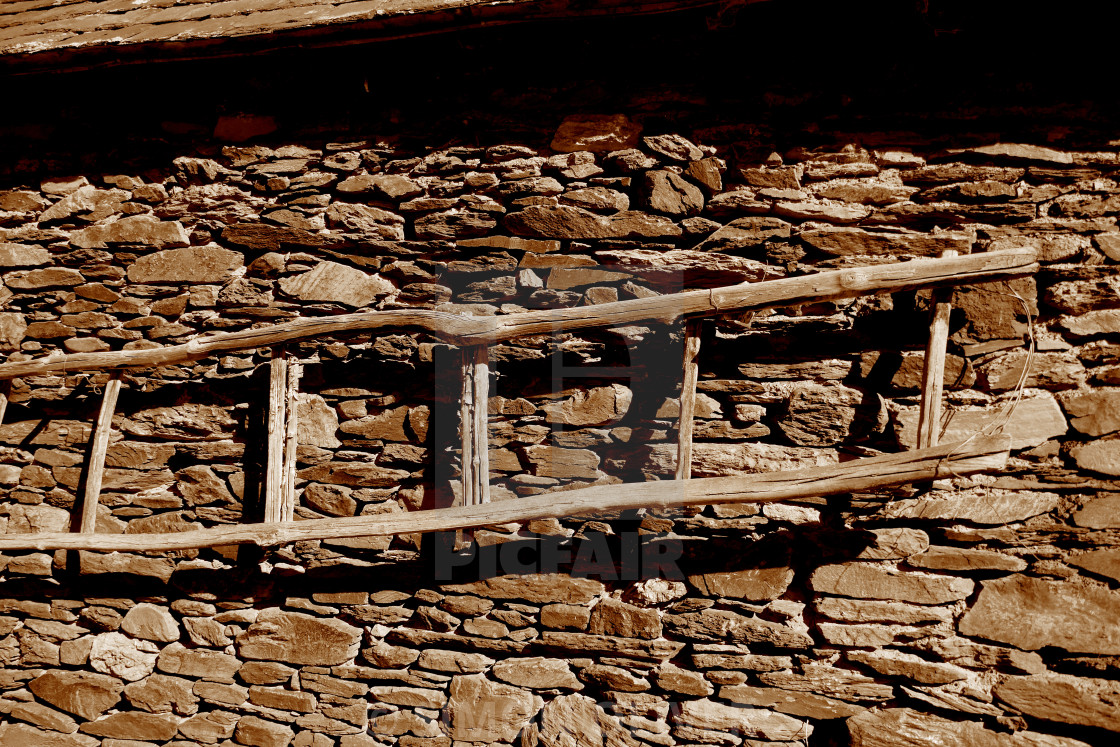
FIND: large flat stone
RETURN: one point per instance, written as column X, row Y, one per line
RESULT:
column 26, row 735
column 332, row 282
column 904, row 727
column 196, row 264
column 844, row 241
column 748, row 721
column 1036, row 419
column 1032, row 613
column 85, row 694
column 578, row 721
column 371, row 222
column 867, row 581
column 138, row 230
column 566, row 222
column 1084, row 701
column 596, row 406
column 485, row 711
column 296, row 638
column 535, row 588
column 987, row 506
column 716, row 460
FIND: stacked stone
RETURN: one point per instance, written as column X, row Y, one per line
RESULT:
column 982, row 612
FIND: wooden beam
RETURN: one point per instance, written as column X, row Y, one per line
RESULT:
column 291, row 442
column 980, row 454
column 473, row 425
column 277, row 423
column 470, row 330
column 688, row 399
column 933, row 375
column 99, row 446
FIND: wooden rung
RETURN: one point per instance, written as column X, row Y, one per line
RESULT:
column 98, row 448
column 274, row 464
column 980, row 454
column 5, row 395
column 688, row 398
column 291, row 443
column 933, row 375
column 473, row 425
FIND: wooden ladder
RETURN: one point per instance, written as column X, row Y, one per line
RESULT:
column 474, row 335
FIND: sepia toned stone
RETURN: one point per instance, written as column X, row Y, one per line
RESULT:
column 486, row 711
column 1032, row 613
column 332, row 282
column 296, row 638
column 867, row 581
column 196, row 264
column 85, row 694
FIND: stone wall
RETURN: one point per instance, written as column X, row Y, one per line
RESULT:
column 976, row 611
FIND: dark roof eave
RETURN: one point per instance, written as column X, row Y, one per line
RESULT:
column 430, row 17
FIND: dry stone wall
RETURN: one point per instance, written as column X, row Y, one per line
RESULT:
column 980, row 611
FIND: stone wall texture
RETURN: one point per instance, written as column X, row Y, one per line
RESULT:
column 977, row 611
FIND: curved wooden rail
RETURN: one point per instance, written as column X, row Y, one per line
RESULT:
column 979, row 454
column 472, row 330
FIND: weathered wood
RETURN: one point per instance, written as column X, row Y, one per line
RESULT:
column 473, row 425
column 979, row 454
column 99, row 445
column 688, row 398
column 291, row 442
column 933, row 375
column 5, row 395
column 277, row 422
column 468, row 330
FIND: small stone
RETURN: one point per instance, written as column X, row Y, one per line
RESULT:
column 388, row 425
column 453, row 661
column 597, row 406
column 595, row 133
column 200, row 663
column 669, row 193
column 151, row 623
column 537, row 673
column 594, row 198
column 828, row 212
column 281, row 699
column 392, row 186
column 673, row 147
column 612, row 617
column 682, row 681
column 366, row 220
column 209, row 727
column 332, row 282
column 560, row 463
column 260, row 733
column 116, row 654
column 317, row 422
column 454, row 224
